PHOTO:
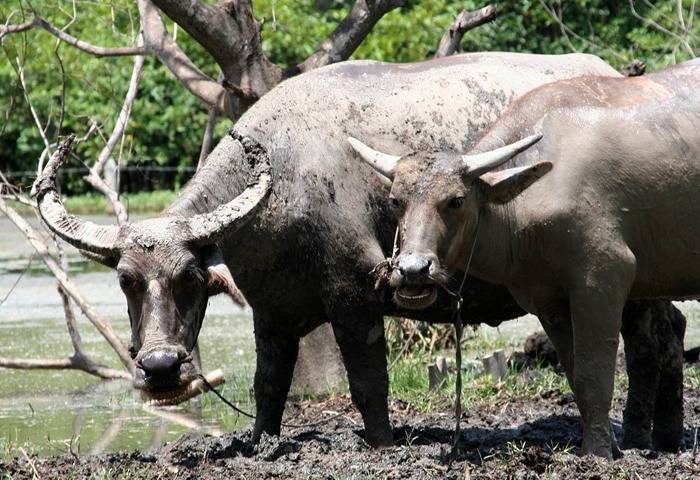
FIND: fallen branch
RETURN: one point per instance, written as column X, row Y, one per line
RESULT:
column 67, row 284
column 75, row 362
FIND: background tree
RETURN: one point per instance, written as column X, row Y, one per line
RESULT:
column 70, row 89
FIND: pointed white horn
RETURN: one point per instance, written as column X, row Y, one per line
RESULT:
column 481, row 163
column 381, row 162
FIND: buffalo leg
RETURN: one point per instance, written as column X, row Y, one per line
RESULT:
column 276, row 355
column 642, row 358
column 653, row 332
column 669, row 324
column 363, row 347
column 596, row 315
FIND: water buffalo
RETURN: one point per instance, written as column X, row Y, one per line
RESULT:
column 603, row 208
column 301, row 249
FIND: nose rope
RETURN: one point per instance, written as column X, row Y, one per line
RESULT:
column 222, row 398
column 457, row 302
column 246, row 414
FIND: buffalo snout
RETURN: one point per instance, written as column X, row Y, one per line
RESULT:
column 164, row 373
column 414, row 278
column 412, row 269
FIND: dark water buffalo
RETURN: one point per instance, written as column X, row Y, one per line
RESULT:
column 310, row 240
column 605, row 207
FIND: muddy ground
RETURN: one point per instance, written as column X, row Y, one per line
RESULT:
column 508, row 438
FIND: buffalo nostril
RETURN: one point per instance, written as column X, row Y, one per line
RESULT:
column 425, row 269
column 415, row 267
column 160, row 363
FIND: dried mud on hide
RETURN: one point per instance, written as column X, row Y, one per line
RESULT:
column 536, row 438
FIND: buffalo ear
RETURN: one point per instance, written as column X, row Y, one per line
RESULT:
column 219, row 278
column 503, row 186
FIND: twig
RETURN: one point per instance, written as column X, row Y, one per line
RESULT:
column 403, row 348
column 29, row 460
column 19, row 278
column 681, row 41
column 20, row 73
column 209, row 132
column 197, row 386
column 566, row 31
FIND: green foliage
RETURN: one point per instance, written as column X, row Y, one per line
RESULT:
column 69, row 89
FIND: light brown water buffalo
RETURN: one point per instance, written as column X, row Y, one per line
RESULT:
column 314, row 223
column 605, row 207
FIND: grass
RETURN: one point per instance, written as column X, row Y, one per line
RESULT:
column 409, row 381
column 96, row 204
column 691, row 376
column 143, row 202
column 238, row 391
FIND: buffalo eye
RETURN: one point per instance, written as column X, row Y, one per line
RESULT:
column 394, row 203
column 188, row 276
column 456, row 202
column 126, row 281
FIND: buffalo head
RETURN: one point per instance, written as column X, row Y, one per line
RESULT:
column 437, row 198
column 167, row 266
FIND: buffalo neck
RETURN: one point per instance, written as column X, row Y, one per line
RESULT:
column 494, row 252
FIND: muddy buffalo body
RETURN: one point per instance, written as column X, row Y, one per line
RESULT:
column 603, row 208
column 311, row 225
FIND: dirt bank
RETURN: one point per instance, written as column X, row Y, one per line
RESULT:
column 509, row 438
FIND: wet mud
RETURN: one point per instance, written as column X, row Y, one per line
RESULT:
column 511, row 438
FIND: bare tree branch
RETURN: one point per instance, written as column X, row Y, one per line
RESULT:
column 230, row 33
column 680, row 39
column 95, row 175
column 208, row 139
column 97, row 51
column 350, row 33
column 42, row 131
column 77, row 361
column 566, row 31
column 159, row 42
column 464, row 22
column 8, row 29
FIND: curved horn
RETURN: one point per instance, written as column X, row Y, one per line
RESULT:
column 81, row 234
column 208, row 228
column 481, row 163
column 381, row 162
